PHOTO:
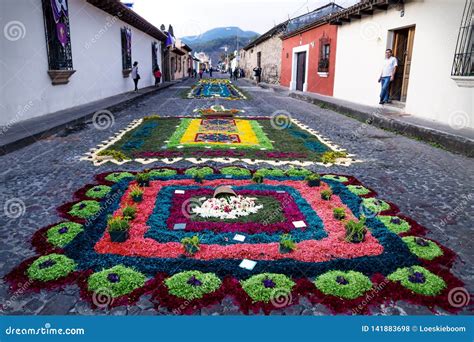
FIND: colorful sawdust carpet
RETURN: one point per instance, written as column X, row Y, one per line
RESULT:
column 295, row 240
column 219, row 138
column 215, row 88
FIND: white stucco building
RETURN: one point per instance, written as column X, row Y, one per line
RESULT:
column 91, row 63
column 435, row 78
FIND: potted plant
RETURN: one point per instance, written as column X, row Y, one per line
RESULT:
column 339, row 213
column 313, row 179
column 129, row 212
column 326, row 194
column 143, row 179
column 137, row 194
column 257, row 177
column 118, row 229
column 191, row 244
column 355, row 230
column 287, row 245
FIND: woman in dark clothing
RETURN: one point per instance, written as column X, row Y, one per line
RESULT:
column 135, row 75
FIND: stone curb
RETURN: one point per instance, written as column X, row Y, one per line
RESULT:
column 24, row 140
column 450, row 142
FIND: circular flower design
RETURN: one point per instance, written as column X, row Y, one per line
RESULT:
column 164, row 172
column 375, row 205
column 51, row 267
column 358, row 190
column 348, row 285
column 62, row 234
column 235, row 171
column 85, row 209
column 264, row 287
column 118, row 281
column 191, row 285
column 199, row 171
column 422, row 248
column 395, row 224
column 418, row 279
column 270, row 172
column 336, row 178
column 99, row 191
column 118, row 176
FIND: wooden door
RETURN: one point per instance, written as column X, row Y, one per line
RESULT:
column 402, row 50
column 300, row 70
column 407, row 62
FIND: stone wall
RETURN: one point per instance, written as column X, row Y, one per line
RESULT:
column 270, row 60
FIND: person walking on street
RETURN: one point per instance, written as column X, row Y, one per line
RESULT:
column 135, row 74
column 157, row 74
column 236, row 73
column 387, row 76
column 230, row 72
column 257, row 71
column 201, row 71
column 210, row 72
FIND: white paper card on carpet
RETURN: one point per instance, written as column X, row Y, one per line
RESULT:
column 248, row 264
column 239, row 237
column 299, row 224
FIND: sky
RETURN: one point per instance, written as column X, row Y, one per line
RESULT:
column 194, row 17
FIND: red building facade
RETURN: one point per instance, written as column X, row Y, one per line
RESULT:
column 308, row 59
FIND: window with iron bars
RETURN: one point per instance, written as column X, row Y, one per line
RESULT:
column 58, row 36
column 324, row 52
column 154, row 58
column 463, row 64
column 126, row 37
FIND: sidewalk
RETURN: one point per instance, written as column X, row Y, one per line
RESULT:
column 25, row 132
column 391, row 118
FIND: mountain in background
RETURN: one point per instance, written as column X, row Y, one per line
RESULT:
column 219, row 32
column 212, row 42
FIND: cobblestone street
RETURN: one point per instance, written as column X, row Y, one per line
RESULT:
column 429, row 184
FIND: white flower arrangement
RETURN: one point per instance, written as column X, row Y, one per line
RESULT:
column 227, row 208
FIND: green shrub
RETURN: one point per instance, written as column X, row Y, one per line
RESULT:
column 339, row 213
column 355, row 230
column 313, row 179
column 287, row 244
column 136, row 193
column 117, row 224
column 143, row 179
column 129, row 212
column 191, row 244
column 257, row 177
column 326, row 194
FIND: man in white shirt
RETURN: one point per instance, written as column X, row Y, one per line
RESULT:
column 388, row 75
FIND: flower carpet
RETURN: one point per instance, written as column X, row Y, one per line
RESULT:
column 215, row 88
column 218, row 138
column 284, row 235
